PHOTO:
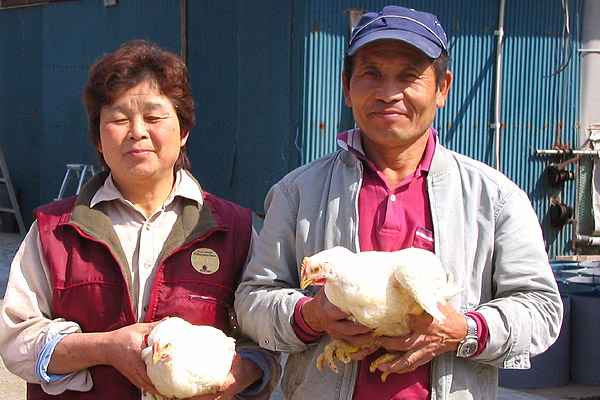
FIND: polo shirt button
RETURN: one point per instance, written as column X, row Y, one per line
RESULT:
column 266, row 341
column 393, row 197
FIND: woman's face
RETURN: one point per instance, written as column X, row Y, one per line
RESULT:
column 140, row 136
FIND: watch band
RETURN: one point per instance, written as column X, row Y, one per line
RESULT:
column 471, row 327
column 469, row 345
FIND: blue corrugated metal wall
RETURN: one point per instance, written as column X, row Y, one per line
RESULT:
column 240, row 63
column 535, row 101
column 239, row 56
column 20, row 101
column 46, row 53
column 266, row 77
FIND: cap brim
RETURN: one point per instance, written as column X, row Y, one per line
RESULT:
column 428, row 47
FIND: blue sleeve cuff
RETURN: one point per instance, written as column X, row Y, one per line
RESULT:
column 41, row 365
column 263, row 364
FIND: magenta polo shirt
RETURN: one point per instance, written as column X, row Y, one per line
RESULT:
column 390, row 219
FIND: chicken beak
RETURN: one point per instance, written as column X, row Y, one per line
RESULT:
column 156, row 352
column 306, row 282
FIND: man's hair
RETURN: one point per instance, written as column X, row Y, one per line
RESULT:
column 440, row 65
column 134, row 62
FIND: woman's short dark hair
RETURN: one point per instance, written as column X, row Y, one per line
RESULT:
column 132, row 63
column 440, row 64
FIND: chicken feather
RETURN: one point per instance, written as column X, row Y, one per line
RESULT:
column 381, row 290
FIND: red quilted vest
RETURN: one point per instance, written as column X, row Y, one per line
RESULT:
column 202, row 262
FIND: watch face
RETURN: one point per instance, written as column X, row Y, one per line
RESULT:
column 468, row 349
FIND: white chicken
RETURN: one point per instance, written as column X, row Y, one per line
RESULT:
column 185, row 360
column 381, row 290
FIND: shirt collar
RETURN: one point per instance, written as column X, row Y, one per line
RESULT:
column 184, row 186
column 351, row 141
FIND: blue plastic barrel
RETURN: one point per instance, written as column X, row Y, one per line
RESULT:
column 590, row 264
column 560, row 265
column 585, row 346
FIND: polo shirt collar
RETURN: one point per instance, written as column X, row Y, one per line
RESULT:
column 351, row 141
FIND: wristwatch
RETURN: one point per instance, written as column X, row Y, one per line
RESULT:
column 468, row 346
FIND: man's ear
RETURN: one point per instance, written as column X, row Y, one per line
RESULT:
column 346, row 87
column 443, row 89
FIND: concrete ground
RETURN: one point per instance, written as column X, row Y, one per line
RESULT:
column 13, row 387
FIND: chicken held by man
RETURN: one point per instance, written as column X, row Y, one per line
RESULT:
column 380, row 290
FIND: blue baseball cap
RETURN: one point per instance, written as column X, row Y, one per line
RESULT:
column 417, row 28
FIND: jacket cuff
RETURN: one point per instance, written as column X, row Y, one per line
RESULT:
column 301, row 328
column 482, row 331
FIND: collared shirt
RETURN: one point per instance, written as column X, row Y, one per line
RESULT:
column 142, row 237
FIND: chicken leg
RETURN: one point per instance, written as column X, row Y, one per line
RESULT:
column 343, row 351
column 387, row 357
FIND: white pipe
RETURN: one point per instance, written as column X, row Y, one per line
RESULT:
column 498, row 81
column 590, row 68
column 589, row 114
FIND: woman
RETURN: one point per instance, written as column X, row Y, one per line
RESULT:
column 142, row 241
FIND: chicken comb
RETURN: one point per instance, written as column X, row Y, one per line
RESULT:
column 303, row 267
column 320, row 282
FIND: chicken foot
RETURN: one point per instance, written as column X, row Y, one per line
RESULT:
column 342, row 351
column 387, row 357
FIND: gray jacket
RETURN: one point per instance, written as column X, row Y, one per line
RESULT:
column 486, row 233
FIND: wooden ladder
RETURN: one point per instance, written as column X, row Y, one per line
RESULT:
column 5, row 179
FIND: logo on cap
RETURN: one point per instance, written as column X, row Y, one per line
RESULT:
column 206, row 261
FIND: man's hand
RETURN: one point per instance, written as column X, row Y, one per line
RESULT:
column 429, row 339
column 322, row 316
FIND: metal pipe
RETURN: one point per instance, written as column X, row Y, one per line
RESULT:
column 496, row 125
column 584, row 152
column 584, row 240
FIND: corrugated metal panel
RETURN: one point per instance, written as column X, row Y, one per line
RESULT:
column 324, row 42
column 540, row 103
column 46, row 54
column 20, row 101
column 69, row 51
column 240, row 65
column 534, row 101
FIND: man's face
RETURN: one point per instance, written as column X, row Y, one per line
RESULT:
column 393, row 94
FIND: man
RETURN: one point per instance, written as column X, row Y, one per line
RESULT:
column 392, row 185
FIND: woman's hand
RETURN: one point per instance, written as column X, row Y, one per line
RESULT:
column 243, row 374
